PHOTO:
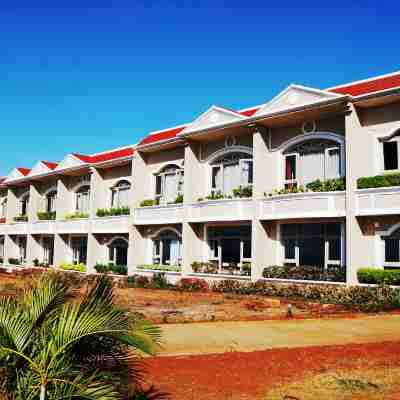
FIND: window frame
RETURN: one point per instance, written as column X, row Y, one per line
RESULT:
column 390, row 264
column 297, row 237
column 120, row 186
column 178, row 172
column 79, row 194
column 395, row 139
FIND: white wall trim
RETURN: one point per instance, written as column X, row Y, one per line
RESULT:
column 227, row 150
column 165, row 228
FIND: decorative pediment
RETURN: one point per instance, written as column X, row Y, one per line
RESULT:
column 69, row 161
column 213, row 117
column 295, row 96
column 39, row 168
column 14, row 174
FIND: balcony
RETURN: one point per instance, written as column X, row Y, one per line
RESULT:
column 73, row 226
column 155, row 215
column 221, row 210
column 17, row 228
column 43, row 227
column 304, row 205
column 378, row 201
column 111, row 224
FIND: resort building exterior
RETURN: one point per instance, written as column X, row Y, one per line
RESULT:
column 307, row 179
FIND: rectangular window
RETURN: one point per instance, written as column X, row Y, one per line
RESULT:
column 79, row 250
column 311, row 244
column 390, row 155
column 246, row 167
column 216, row 182
column 246, row 249
column 159, row 185
column 392, row 250
column 332, row 163
column 290, row 170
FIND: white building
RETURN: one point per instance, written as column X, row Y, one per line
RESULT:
column 215, row 204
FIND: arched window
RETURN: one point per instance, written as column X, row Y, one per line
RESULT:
column 169, row 184
column 24, row 204
column 231, row 171
column 167, row 248
column 310, row 160
column 83, row 199
column 51, row 198
column 118, row 251
column 3, row 208
column 120, row 194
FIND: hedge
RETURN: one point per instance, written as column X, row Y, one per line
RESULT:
column 306, row 273
column 107, row 268
column 378, row 181
column 379, row 276
column 108, row 212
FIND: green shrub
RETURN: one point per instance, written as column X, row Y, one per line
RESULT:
column 192, row 285
column 14, row 261
column 46, row 215
column 288, row 190
column 204, row 267
column 102, row 268
column 108, row 212
column 379, row 276
column 246, row 269
column 160, row 267
column 330, row 185
column 243, row 191
column 73, row 267
column 179, row 199
column 21, row 218
column 159, row 281
column 150, row 202
column 308, row 273
column 369, row 299
column 216, row 195
column 76, row 215
column 376, row 181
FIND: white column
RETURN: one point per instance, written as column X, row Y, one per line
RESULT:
column 35, row 203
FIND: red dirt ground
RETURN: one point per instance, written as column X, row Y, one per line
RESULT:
column 245, row 376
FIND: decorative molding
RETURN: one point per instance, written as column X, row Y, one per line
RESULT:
column 227, row 150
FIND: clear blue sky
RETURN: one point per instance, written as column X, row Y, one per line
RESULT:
column 94, row 74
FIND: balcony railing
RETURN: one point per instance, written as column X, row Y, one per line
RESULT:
column 378, row 201
column 304, row 205
column 221, row 210
column 111, row 224
column 168, row 214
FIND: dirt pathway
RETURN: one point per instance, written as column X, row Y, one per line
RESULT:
column 222, row 337
column 250, row 376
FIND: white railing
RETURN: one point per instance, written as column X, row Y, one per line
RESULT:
column 378, row 201
column 168, row 214
column 304, row 205
column 221, row 210
column 111, row 224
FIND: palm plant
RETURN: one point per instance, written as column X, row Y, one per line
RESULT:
column 56, row 346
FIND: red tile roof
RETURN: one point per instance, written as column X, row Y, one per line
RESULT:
column 369, row 86
column 49, row 164
column 249, row 112
column 163, row 135
column 106, row 156
column 24, row 171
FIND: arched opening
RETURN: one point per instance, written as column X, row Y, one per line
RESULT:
column 24, row 204
column 310, row 160
column 3, row 208
column 82, row 203
column 169, row 184
column 120, row 194
column 231, row 171
column 50, row 199
column 118, row 251
column 167, row 248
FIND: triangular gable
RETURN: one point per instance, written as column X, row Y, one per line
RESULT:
column 213, row 117
column 39, row 168
column 14, row 174
column 295, row 96
column 69, row 161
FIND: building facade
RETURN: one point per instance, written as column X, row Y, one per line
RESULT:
column 307, row 179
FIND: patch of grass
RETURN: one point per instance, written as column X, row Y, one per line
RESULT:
column 362, row 383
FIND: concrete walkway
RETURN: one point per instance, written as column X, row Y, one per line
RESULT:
column 222, row 337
